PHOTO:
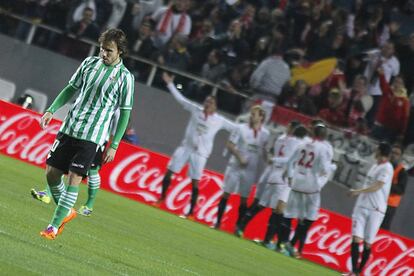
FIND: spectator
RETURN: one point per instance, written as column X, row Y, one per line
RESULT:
column 171, row 20
column 406, row 56
column 394, row 110
column 391, row 66
column 176, row 55
column 200, row 44
column 297, row 98
column 233, row 83
column 270, row 76
column 78, row 12
column 135, row 15
column 35, row 11
column 117, row 13
column 334, row 114
column 354, row 108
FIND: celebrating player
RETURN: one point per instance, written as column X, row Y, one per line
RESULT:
column 197, row 143
column 105, row 85
column 370, row 206
column 307, row 173
column 247, row 144
column 276, row 191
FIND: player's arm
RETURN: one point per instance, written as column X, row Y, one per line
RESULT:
column 120, row 130
column 291, row 164
column 64, row 97
column 372, row 188
column 187, row 104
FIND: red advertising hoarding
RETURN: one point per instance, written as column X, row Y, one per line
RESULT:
column 137, row 173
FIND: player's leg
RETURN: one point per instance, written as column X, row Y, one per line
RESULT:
column 79, row 164
column 242, row 212
column 247, row 178
column 178, row 159
column 55, row 182
column 221, row 208
column 249, row 215
column 359, row 216
column 94, row 183
column 197, row 164
column 293, row 210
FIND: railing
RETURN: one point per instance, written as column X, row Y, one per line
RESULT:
column 34, row 25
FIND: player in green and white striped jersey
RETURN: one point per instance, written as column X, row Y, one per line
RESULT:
column 104, row 85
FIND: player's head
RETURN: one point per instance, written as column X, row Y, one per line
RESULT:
column 383, row 150
column 257, row 114
column 396, row 153
column 300, row 131
column 320, row 131
column 291, row 126
column 210, row 104
column 113, row 45
column 313, row 123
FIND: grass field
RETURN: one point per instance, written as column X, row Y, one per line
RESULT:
column 123, row 237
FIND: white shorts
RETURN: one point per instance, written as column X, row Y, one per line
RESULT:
column 181, row 156
column 273, row 193
column 263, row 180
column 238, row 181
column 366, row 223
column 303, row 206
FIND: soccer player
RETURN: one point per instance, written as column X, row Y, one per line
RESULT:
column 370, row 206
column 276, row 191
column 247, row 144
column 307, row 172
column 197, row 143
column 94, row 179
column 104, row 85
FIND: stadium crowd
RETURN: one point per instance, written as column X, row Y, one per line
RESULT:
column 251, row 46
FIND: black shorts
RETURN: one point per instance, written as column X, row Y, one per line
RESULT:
column 97, row 162
column 71, row 154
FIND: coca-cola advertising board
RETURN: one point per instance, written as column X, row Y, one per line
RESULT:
column 137, row 173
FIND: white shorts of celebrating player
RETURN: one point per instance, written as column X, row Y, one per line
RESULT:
column 274, row 193
column 303, row 205
column 238, row 181
column 262, row 183
column 366, row 223
column 181, row 156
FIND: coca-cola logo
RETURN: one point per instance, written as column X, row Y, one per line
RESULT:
column 20, row 135
column 135, row 175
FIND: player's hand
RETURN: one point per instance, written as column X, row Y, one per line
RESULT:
column 45, row 120
column 109, row 155
column 167, row 78
column 353, row 192
column 243, row 162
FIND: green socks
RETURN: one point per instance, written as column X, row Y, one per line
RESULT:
column 94, row 182
column 66, row 202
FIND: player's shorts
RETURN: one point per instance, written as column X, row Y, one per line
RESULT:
column 238, row 181
column 71, row 154
column 366, row 223
column 302, row 205
column 273, row 193
column 97, row 162
column 181, row 156
column 263, row 180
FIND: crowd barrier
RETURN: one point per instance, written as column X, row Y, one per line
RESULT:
column 137, row 172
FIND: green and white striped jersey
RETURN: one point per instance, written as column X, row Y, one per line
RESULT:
column 103, row 89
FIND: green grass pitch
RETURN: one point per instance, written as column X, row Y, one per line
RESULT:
column 122, row 237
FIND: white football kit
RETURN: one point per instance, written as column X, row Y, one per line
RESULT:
column 251, row 145
column 370, row 208
column 308, row 168
column 198, row 138
column 276, row 187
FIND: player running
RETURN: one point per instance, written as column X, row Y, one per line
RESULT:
column 247, row 144
column 197, row 143
column 370, row 206
column 105, row 85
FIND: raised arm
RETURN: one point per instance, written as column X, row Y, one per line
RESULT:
column 187, row 104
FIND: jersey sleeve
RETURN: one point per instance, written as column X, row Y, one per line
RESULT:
column 76, row 79
column 384, row 175
column 127, row 92
column 235, row 135
column 228, row 125
column 183, row 101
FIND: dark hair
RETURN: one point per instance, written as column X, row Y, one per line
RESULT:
column 315, row 122
column 117, row 36
column 294, row 123
column 384, row 149
column 398, row 146
column 300, row 131
column 320, row 131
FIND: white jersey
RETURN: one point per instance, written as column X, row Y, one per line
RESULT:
column 377, row 200
column 284, row 148
column 202, row 128
column 308, row 166
column 250, row 143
